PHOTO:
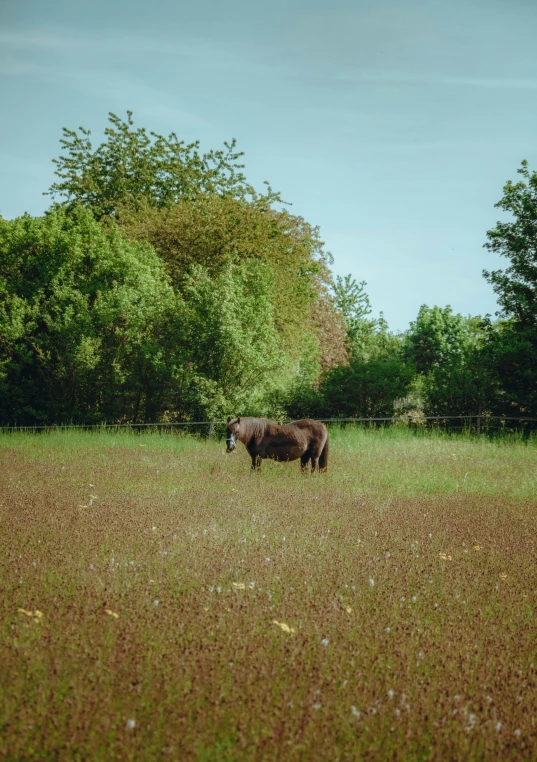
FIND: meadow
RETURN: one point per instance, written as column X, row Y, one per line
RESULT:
column 160, row 602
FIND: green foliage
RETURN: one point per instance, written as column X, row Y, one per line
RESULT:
column 232, row 340
column 197, row 210
column 91, row 329
column 450, row 354
column 513, row 344
column 438, row 337
column 511, row 357
column 368, row 388
column 214, row 232
column 516, row 287
column 353, row 303
column 134, row 166
column 83, row 319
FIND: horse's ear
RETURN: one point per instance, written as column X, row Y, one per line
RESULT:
column 228, row 418
column 238, row 420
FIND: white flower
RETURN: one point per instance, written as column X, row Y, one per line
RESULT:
column 498, row 727
column 390, row 693
column 131, row 724
column 517, row 733
column 325, row 642
column 355, row 712
column 155, row 603
column 371, row 582
column 388, row 630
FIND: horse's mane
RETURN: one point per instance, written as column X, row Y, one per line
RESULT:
column 252, row 427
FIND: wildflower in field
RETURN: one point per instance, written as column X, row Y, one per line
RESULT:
column 348, row 609
column 371, row 582
column 498, row 727
column 131, row 724
column 155, row 603
column 151, row 581
column 112, row 613
column 283, row 626
column 35, row 614
column 153, row 529
column 390, row 693
column 325, row 642
column 445, row 557
column 503, row 575
column 388, row 630
column 517, row 733
column 355, row 712
column 477, row 547
column 239, row 585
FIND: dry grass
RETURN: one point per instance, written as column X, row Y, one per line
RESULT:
column 190, row 610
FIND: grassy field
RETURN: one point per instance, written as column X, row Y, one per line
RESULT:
column 160, row 602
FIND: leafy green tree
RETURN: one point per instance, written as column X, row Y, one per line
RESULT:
column 450, row 355
column 510, row 355
column 84, row 321
column 513, row 343
column 353, row 302
column 133, row 166
column 437, row 336
column 91, row 328
column 516, row 239
column 214, row 231
column 465, row 385
column 366, row 389
column 231, row 339
column 198, row 210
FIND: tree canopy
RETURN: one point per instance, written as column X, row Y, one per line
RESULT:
column 162, row 285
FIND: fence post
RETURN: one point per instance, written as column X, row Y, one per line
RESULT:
column 478, row 425
column 211, row 429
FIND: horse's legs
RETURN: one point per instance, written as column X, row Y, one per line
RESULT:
column 304, row 461
column 315, row 464
column 256, row 463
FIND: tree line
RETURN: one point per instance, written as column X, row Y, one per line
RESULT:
column 161, row 286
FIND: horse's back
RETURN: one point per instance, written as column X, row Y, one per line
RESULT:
column 310, row 424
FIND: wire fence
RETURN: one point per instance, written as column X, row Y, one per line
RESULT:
column 476, row 423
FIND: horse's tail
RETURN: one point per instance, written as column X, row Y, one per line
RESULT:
column 323, row 457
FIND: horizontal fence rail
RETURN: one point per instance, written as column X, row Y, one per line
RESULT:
column 480, row 421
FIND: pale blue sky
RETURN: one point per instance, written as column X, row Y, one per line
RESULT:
column 392, row 125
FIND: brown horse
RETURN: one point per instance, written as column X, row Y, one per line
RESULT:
column 305, row 439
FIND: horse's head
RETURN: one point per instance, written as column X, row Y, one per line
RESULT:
column 232, row 433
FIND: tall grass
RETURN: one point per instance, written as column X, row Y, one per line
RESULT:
column 191, row 610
